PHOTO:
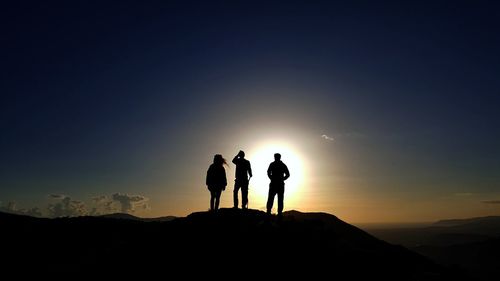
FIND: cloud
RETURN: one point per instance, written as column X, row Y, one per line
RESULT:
column 9, row 208
column 464, row 194
column 129, row 203
column 491, row 202
column 103, row 204
column 66, row 207
column 327, row 138
column 57, row 196
column 12, row 208
column 118, row 202
column 343, row 135
column 34, row 212
column 99, row 199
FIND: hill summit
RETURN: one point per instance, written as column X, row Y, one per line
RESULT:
column 240, row 243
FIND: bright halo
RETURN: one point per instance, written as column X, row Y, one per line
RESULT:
column 260, row 158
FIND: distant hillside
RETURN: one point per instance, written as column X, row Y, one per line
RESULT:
column 442, row 233
column 457, row 222
column 237, row 243
column 121, row 216
column 473, row 244
column 481, row 258
column 125, row 216
column 482, row 225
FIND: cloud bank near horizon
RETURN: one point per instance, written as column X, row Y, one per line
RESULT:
column 491, row 202
column 64, row 206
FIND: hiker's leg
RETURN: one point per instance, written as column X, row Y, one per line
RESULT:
column 212, row 199
column 235, row 194
column 280, row 201
column 270, row 199
column 244, row 197
column 217, row 199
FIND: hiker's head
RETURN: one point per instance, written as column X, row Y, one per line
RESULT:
column 241, row 154
column 277, row 156
column 219, row 160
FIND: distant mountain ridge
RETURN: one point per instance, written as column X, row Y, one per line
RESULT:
column 125, row 216
column 481, row 225
column 442, row 233
column 454, row 222
column 121, row 216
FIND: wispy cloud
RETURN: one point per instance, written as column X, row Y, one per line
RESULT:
column 57, row 196
column 327, row 138
column 343, row 135
column 491, row 202
column 464, row 194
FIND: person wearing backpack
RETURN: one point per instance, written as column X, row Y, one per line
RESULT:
column 216, row 181
column 243, row 171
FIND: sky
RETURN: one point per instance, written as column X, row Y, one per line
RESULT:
column 384, row 111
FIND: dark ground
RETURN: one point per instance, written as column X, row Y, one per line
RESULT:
column 229, row 244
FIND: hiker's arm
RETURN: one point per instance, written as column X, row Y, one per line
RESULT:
column 235, row 159
column 249, row 169
column 287, row 173
column 207, row 179
column 225, row 178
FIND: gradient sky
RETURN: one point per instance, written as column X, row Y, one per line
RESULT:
column 393, row 108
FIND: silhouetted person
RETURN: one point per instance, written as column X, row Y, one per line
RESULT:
column 216, row 181
column 278, row 173
column 243, row 170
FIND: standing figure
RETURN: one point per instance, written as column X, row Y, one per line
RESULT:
column 277, row 173
column 243, row 171
column 216, row 181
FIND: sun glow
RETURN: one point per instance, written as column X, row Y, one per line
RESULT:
column 261, row 157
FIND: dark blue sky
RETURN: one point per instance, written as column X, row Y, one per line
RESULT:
column 132, row 96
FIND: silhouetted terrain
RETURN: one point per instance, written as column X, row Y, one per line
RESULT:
column 473, row 244
column 482, row 259
column 441, row 233
column 482, row 225
column 227, row 245
column 132, row 217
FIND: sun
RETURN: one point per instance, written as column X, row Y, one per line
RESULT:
column 261, row 157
